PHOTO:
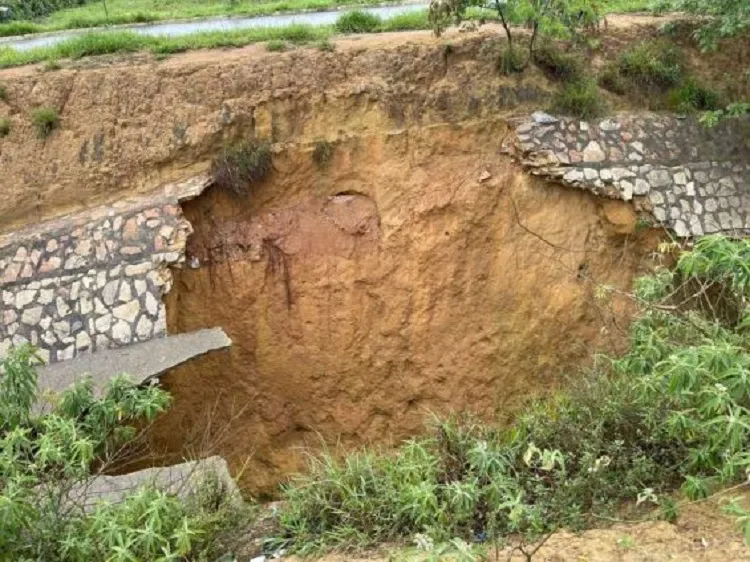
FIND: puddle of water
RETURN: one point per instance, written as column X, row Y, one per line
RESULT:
column 175, row 29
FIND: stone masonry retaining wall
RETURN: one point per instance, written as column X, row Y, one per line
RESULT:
column 92, row 281
column 694, row 180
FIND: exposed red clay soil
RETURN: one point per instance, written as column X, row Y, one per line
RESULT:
column 420, row 271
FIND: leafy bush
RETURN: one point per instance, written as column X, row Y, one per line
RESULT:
column 238, row 166
column 712, row 118
column 672, row 413
column 725, row 18
column 692, row 96
column 5, row 126
column 580, row 99
column 653, row 71
column 47, row 459
column 358, row 21
column 559, row 65
column 652, row 64
column 45, row 120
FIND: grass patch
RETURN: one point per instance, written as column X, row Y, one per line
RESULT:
column 671, row 414
column 14, row 28
column 558, row 65
column 625, row 6
column 358, row 21
column 276, row 45
column 692, row 96
column 325, row 45
column 580, row 99
column 611, row 79
column 323, row 153
column 5, row 127
column 239, row 166
column 146, row 11
column 114, row 42
column 51, row 66
column 511, row 61
column 406, row 22
column 652, row 65
column 654, row 72
column 45, row 120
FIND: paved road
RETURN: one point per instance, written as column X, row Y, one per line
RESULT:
column 174, row 29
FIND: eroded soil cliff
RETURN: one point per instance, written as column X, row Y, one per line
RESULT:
column 419, row 270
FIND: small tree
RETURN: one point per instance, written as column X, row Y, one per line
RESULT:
column 557, row 17
column 727, row 18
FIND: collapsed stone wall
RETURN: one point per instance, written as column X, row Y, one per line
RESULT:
column 693, row 180
column 91, row 281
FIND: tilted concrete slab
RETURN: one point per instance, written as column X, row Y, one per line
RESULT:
column 182, row 480
column 141, row 361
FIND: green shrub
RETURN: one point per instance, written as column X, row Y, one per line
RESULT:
column 45, row 120
column 511, row 61
column 239, row 166
column 712, row 118
column 47, row 456
column 557, row 64
column 652, row 65
column 276, row 45
column 358, row 21
column 580, row 99
column 692, row 96
column 611, row 79
column 5, row 127
column 672, row 413
column 323, row 153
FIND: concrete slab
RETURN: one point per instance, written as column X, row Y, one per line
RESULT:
column 182, row 480
column 142, row 361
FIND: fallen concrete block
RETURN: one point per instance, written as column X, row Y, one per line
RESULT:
column 182, row 480
column 142, row 361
